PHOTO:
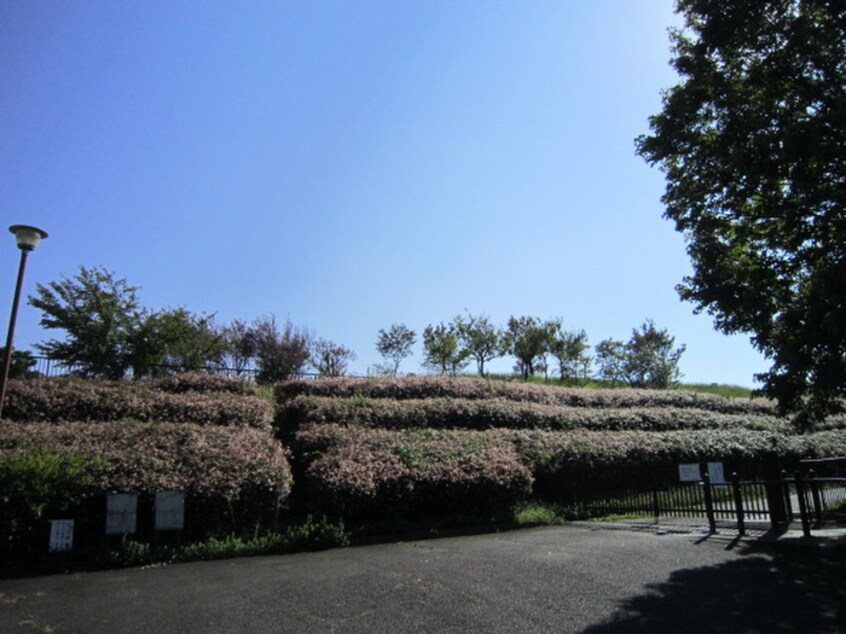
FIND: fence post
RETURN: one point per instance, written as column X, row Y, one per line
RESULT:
column 655, row 508
column 803, row 506
column 738, row 504
column 815, row 497
column 709, row 503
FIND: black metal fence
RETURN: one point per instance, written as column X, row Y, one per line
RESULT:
column 45, row 366
column 799, row 497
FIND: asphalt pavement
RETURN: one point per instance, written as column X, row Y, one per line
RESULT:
column 554, row 579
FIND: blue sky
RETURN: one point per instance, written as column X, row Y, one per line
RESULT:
column 351, row 164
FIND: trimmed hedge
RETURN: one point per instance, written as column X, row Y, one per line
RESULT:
column 224, row 462
column 236, row 479
column 205, row 382
column 369, row 474
column 425, row 387
column 66, row 399
column 442, row 413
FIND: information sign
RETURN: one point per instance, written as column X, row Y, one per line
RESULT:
column 121, row 513
column 716, row 473
column 689, row 472
column 170, row 510
column 61, row 535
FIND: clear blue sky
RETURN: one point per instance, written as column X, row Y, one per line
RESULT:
column 351, row 164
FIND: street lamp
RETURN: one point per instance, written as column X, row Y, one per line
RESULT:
column 27, row 239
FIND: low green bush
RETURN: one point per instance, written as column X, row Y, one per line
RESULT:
column 204, row 382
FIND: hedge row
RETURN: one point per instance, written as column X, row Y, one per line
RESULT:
column 426, row 387
column 205, row 382
column 450, row 413
column 67, row 399
column 375, row 473
column 224, row 462
column 234, row 478
column 357, row 467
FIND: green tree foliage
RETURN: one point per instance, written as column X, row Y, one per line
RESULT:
column 99, row 314
column 528, row 339
column 175, row 340
column 481, row 340
column 330, row 358
column 395, row 345
column 753, row 144
column 280, row 354
column 240, row 346
column 108, row 332
column 442, row 349
column 647, row 360
column 22, row 363
column 569, row 347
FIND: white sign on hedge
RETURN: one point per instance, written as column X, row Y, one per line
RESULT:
column 61, row 535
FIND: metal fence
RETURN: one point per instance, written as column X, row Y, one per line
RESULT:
column 803, row 497
column 45, row 366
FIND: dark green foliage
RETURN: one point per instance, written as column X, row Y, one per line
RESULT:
column 22, row 363
column 442, row 350
column 647, row 360
column 480, row 339
column 108, row 333
column 529, row 340
column 99, row 314
column 394, row 345
column 752, row 143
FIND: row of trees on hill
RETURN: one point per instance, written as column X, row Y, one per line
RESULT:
column 647, row 359
column 109, row 334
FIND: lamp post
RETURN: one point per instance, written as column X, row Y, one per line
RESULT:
column 27, row 239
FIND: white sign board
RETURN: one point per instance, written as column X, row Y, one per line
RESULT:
column 689, row 472
column 121, row 513
column 170, row 510
column 61, row 535
column 716, row 473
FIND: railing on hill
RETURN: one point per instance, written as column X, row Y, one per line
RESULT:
column 45, row 366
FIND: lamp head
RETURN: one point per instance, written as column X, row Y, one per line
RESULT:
column 27, row 237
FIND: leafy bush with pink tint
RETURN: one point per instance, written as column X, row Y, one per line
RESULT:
column 234, row 477
column 425, row 387
column 146, row 457
column 205, row 382
column 68, row 399
column 422, row 474
column 453, row 413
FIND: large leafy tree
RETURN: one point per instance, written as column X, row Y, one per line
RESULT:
column 395, row 345
column 753, row 144
column 570, row 349
column 479, row 338
column 330, row 358
column 648, row 359
column 280, row 353
column 442, row 350
column 528, row 340
column 99, row 314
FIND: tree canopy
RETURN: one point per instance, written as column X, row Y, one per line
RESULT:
column 394, row 345
column 753, row 144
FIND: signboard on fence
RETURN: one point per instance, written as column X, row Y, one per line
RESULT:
column 716, row 474
column 170, row 510
column 61, row 535
column 121, row 513
column 689, row 472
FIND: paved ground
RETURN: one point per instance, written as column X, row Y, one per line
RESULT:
column 562, row 579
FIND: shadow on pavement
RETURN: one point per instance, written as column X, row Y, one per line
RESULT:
column 792, row 589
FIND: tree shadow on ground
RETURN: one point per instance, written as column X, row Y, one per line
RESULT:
column 770, row 589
